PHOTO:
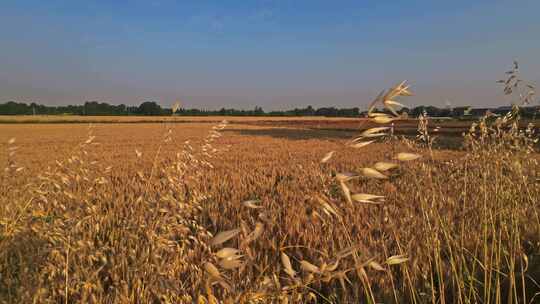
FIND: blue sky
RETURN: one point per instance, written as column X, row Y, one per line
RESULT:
column 271, row 53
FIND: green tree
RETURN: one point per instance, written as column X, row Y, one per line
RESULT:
column 150, row 108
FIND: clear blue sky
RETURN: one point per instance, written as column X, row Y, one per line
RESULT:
column 275, row 54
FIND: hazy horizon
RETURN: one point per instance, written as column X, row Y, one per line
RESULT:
column 273, row 54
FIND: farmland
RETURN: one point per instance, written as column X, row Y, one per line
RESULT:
column 269, row 152
column 130, row 212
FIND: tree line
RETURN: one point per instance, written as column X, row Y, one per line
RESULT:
column 151, row 108
column 94, row 108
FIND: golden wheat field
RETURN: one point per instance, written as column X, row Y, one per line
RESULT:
column 259, row 213
column 271, row 211
column 269, row 152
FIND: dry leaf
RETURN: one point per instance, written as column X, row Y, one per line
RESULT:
column 407, row 156
column 307, row 266
column 231, row 263
column 227, row 252
column 397, row 259
column 374, row 130
column 212, row 270
column 345, row 176
column 287, row 264
column 376, row 266
column 384, row 166
column 252, row 204
column 367, row 198
column 327, row 157
column 224, row 236
column 346, row 192
column 362, row 144
column 372, row 173
column 383, row 119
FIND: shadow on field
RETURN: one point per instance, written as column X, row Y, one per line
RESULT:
column 444, row 141
column 296, row 134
